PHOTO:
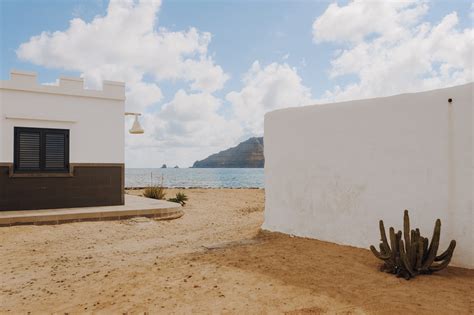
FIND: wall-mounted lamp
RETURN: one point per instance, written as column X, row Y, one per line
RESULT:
column 136, row 127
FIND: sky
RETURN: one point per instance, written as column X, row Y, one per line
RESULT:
column 204, row 73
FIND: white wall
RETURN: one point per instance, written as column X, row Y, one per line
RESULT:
column 95, row 118
column 332, row 171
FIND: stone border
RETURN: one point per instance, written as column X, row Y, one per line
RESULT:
column 53, row 219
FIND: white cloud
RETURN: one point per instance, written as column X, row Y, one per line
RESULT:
column 193, row 120
column 361, row 18
column 142, row 94
column 391, row 50
column 126, row 45
column 186, row 129
column 192, row 125
column 265, row 89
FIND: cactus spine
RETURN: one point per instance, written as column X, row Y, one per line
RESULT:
column 413, row 254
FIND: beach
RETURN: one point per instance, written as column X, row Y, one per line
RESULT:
column 214, row 259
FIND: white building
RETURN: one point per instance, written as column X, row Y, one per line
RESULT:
column 60, row 146
column 333, row 171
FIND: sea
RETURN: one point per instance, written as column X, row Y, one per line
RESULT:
column 195, row 177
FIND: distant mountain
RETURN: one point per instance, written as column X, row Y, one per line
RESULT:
column 248, row 154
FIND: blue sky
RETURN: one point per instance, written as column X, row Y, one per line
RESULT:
column 263, row 55
column 243, row 31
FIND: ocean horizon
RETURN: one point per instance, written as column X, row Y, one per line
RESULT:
column 195, row 177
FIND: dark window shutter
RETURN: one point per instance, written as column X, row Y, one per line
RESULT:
column 41, row 150
column 55, row 151
column 29, row 150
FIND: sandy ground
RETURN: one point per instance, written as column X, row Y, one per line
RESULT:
column 212, row 260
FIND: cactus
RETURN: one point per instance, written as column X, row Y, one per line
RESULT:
column 414, row 254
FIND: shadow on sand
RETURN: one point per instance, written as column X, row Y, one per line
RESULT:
column 347, row 274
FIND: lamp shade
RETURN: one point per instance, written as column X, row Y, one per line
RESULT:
column 136, row 127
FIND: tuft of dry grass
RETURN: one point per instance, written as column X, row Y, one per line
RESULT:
column 155, row 192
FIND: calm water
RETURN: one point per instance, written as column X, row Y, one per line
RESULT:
column 195, row 177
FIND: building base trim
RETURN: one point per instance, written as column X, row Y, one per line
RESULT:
column 86, row 184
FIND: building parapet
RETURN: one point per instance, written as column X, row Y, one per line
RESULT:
column 72, row 86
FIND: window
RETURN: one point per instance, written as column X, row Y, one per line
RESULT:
column 41, row 150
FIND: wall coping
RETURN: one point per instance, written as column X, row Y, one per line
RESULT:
column 362, row 101
column 26, row 81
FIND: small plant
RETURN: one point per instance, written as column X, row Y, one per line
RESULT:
column 180, row 198
column 414, row 256
column 155, row 191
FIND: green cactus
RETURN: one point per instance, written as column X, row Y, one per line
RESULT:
column 413, row 254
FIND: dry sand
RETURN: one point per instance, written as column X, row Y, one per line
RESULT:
column 212, row 260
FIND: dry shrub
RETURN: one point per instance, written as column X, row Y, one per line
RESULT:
column 155, row 192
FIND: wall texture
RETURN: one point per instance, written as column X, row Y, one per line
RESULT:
column 332, row 171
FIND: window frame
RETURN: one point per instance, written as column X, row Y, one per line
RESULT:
column 42, row 159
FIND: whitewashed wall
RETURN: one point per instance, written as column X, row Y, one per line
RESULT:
column 332, row 171
column 95, row 118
